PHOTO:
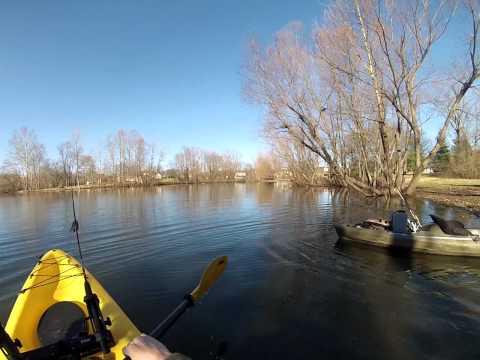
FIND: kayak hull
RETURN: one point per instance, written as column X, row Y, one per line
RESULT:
column 428, row 242
column 57, row 277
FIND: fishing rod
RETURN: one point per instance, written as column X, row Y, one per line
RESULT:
column 74, row 348
column 101, row 340
column 412, row 213
column 98, row 322
column 8, row 347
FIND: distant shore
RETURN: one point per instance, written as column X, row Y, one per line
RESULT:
column 120, row 186
column 96, row 187
column 461, row 193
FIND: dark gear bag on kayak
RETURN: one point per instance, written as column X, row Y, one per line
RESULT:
column 451, row 227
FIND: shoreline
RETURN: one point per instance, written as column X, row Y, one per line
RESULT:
column 115, row 186
column 459, row 193
column 465, row 202
column 91, row 187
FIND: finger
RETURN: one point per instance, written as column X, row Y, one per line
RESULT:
column 138, row 341
column 130, row 349
column 154, row 343
column 126, row 352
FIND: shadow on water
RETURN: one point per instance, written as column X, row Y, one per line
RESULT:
column 289, row 292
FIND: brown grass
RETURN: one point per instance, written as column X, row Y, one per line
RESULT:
column 440, row 182
column 463, row 193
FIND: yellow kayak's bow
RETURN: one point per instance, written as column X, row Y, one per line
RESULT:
column 58, row 277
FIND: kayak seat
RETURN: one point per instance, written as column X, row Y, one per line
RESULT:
column 399, row 222
column 451, row 227
column 433, row 229
column 63, row 320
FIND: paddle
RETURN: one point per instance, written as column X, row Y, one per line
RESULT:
column 211, row 274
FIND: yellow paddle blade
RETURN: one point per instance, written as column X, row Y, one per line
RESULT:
column 211, row 274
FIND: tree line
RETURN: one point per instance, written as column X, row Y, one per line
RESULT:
column 126, row 159
column 361, row 92
column 195, row 165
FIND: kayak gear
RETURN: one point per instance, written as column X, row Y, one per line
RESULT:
column 97, row 322
column 437, row 238
column 63, row 320
column 46, row 319
column 59, row 313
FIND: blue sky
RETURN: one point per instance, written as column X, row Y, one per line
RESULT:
column 169, row 69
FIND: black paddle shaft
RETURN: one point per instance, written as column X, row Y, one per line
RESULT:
column 166, row 324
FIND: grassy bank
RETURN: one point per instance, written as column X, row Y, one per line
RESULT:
column 464, row 193
column 168, row 181
column 99, row 186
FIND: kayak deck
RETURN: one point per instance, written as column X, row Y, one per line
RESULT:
column 58, row 277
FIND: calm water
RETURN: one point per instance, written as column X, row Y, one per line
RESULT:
column 289, row 292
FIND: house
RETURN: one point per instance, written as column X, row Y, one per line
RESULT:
column 283, row 175
column 240, row 176
column 325, row 170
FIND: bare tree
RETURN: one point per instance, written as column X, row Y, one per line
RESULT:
column 113, row 158
column 359, row 98
column 120, row 144
column 266, row 166
column 26, row 156
column 212, row 165
column 87, row 169
column 188, row 163
column 66, row 160
column 195, row 165
column 131, row 159
column 76, row 153
column 303, row 165
column 231, row 163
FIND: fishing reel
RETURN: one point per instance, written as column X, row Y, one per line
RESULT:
column 74, row 348
column 82, row 344
column 98, row 322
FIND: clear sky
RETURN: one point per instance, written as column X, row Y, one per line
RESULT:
column 169, row 69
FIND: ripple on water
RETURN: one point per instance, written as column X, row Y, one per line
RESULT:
column 287, row 280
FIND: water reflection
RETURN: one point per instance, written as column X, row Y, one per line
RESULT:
column 290, row 290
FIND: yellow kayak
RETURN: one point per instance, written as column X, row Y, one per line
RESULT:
column 52, row 293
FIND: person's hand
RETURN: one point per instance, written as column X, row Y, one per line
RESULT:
column 145, row 347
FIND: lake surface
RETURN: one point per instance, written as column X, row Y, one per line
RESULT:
column 289, row 292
